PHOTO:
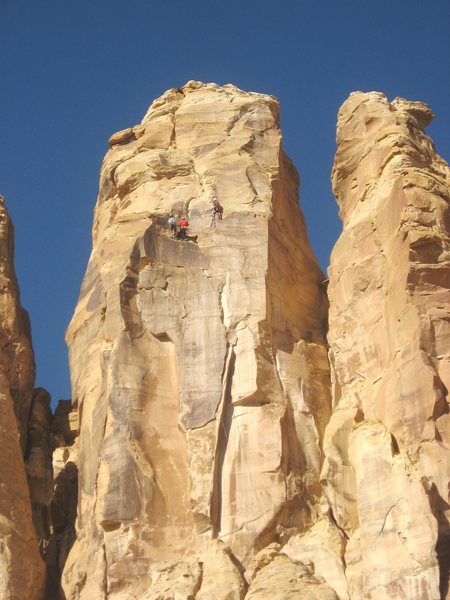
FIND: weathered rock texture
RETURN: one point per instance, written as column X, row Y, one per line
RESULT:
column 63, row 505
column 38, row 465
column 199, row 371
column 21, row 569
column 387, row 465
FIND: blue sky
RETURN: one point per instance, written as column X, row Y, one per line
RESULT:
column 72, row 73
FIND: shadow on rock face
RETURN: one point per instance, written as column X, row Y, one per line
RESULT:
column 63, row 511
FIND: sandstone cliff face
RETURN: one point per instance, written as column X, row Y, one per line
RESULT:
column 21, row 569
column 200, row 373
column 63, row 505
column 387, row 462
column 38, row 465
column 199, row 370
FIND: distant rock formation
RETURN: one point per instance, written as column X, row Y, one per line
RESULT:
column 21, row 568
column 387, row 466
column 199, row 371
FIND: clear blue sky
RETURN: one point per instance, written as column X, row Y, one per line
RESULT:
column 74, row 72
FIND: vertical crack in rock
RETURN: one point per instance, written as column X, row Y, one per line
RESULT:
column 389, row 340
column 225, row 416
column 190, row 353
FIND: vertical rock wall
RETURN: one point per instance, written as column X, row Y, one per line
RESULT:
column 21, row 569
column 199, row 370
column 387, row 465
column 38, row 465
column 63, row 505
column 200, row 374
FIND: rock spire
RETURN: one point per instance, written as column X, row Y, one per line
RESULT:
column 199, row 369
column 387, row 463
column 21, row 568
column 224, row 442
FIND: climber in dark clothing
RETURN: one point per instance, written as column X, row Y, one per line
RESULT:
column 217, row 207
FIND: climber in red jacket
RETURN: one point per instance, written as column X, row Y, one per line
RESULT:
column 183, row 227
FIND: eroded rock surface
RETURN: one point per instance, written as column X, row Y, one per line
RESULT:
column 200, row 373
column 38, row 464
column 387, row 465
column 64, row 500
column 21, row 568
column 199, row 370
column 286, row 579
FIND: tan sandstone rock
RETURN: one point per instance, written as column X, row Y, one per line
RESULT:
column 21, row 569
column 221, row 578
column 322, row 547
column 285, row 579
column 64, row 500
column 199, row 370
column 387, row 467
column 38, row 465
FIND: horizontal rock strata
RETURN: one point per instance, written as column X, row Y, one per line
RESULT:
column 387, row 465
column 199, row 370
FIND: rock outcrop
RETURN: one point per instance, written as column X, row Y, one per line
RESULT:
column 38, row 465
column 199, row 370
column 63, row 505
column 206, row 453
column 387, row 466
column 21, row 568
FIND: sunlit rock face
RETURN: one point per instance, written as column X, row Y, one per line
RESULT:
column 199, row 370
column 387, row 464
column 21, row 569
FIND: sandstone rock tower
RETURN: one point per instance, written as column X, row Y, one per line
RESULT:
column 387, row 445
column 216, row 460
column 21, row 568
column 199, row 370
